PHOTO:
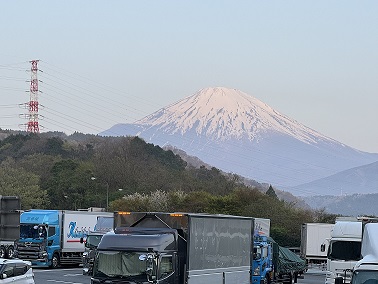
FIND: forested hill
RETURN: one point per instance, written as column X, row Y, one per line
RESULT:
column 55, row 171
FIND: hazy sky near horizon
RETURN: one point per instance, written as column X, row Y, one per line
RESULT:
column 108, row 62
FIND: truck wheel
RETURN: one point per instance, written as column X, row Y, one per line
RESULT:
column 2, row 252
column 10, row 252
column 289, row 279
column 55, row 261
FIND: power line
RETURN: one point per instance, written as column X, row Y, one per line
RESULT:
column 63, row 92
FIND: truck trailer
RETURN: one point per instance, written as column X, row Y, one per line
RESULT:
column 9, row 224
column 50, row 238
column 175, row 248
column 313, row 235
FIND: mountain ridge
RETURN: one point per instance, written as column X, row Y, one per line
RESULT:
column 237, row 133
column 345, row 182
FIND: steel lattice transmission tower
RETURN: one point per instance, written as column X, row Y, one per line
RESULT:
column 33, row 105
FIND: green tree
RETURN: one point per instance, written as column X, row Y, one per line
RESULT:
column 18, row 182
column 270, row 192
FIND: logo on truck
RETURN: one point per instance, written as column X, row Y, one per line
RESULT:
column 77, row 233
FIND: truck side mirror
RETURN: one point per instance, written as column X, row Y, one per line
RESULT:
column 339, row 280
column 322, row 247
column 81, row 240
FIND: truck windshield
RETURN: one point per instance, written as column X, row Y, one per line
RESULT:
column 365, row 277
column 344, row 250
column 119, row 265
column 92, row 241
column 32, row 231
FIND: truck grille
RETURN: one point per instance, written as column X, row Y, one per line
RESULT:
column 28, row 251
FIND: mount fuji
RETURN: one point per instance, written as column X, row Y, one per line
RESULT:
column 237, row 133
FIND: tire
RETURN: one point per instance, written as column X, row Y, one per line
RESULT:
column 267, row 279
column 10, row 252
column 55, row 261
column 289, row 280
column 295, row 278
column 3, row 252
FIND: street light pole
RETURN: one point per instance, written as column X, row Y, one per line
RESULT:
column 107, row 197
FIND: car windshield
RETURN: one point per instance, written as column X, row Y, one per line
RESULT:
column 119, row 264
column 365, row 277
column 93, row 240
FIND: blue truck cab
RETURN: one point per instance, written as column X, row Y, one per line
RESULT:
column 262, row 260
column 40, row 234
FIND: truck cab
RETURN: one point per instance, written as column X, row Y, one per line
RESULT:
column 344, row 250
column 366, row 273
column 366, row 270
column 93, row 238
column 91, row 244
column 146, row 256
column 39, row 236
column 262, row 260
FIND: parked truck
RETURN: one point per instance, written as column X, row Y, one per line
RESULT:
column 262, row 252
column 272, row 262
column 103, row 225
column 262, row 260
column 9, row 224
column 366, row 270
column 313, row 235
column 49, row 238
column 344, row 248
column 177, row 248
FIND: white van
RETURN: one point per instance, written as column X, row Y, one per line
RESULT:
column 16, row 271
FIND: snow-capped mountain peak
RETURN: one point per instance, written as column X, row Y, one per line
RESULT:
column 237, row 133
column 222, row 114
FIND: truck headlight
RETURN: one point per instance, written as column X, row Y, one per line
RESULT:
column 85, row 254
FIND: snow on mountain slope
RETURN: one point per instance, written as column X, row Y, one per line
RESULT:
column 237, row 133
column 222, row 114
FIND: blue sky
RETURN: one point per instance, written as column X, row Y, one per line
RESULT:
column 108, row 62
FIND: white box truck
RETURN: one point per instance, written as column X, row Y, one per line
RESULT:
column 313, row 235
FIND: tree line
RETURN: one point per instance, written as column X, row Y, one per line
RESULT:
column 55, row 171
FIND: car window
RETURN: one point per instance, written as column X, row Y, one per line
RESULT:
column 20, row 269
column 51, row 231
column 9, row 270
